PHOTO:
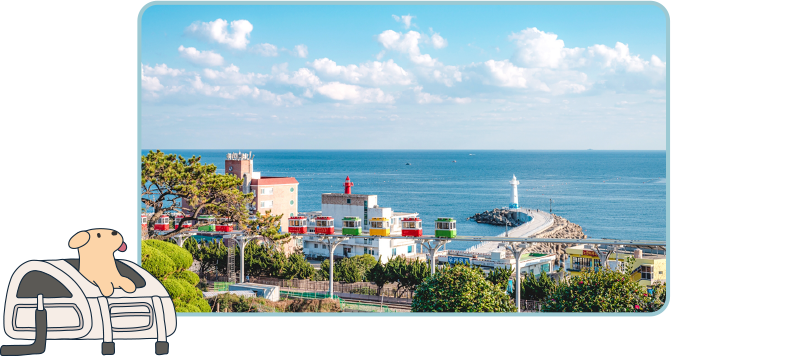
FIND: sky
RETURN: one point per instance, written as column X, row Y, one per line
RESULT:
column 530, row 77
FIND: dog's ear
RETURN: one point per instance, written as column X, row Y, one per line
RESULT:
column 79, row 239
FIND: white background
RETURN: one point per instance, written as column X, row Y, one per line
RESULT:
column 68, row 106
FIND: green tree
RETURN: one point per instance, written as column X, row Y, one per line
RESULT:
column 378, row 275
column 267, row 227
column 601, row 290
column 499, row 276
column 298, row 267
column 348, row 270
column 169, row 263
column 168, row 179
column 460, row 289
column 533, row 288
column 212, row 256
column 407, row 274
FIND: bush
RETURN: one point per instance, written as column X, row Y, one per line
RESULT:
column 181, row 257
column 168, row 263
column 600, row 291
column 187, row 276
column 156, row 262
column 460, row 289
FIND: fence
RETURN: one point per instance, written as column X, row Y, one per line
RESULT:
column 530, row 306
column 365, row 288
column 355, row 307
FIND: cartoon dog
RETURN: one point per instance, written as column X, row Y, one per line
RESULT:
column 96, row 261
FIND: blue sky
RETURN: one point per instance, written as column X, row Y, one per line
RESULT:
column 404, row 77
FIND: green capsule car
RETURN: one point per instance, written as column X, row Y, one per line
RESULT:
column 351, row 226
column 445, row 227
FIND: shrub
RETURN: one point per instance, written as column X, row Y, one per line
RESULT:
column 156, row 262
column 600, row 291
column 460, row 289
column 181, row 257
column 187, row 276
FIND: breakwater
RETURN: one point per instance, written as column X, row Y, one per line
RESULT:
column 501, row 217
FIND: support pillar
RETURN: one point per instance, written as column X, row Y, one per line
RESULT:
column 242, row 242
column 431, row 247
column 332, row 242
column 517, row 248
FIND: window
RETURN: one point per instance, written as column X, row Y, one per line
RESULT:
column 316, row 245
column 291, row 202
column 324, row 223
column 267, row 191
column 350, row 223
column 266, row 204
column 379, row 224
column 348, row 200
column 409, row 249
column 579, row 263
column 365, row 250
column 647, row 272
column 292, row 189
column 443, row 225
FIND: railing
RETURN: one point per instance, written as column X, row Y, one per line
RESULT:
column 530, row 306
column 365, row 288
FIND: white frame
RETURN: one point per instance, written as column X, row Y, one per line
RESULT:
column 271, row 191
column 263, row 204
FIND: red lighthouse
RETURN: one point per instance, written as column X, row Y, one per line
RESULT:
column 348, row 184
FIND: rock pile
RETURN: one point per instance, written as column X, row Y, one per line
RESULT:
column 561, row 229
column 499, row 217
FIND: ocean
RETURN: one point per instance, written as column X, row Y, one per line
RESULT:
column 610, row 194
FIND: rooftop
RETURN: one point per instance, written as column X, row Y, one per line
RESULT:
column 350, row 195
column 274, row 181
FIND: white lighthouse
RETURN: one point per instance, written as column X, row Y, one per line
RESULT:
column 514, row 194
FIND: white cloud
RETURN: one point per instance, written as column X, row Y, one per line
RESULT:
column 431, row 68
column 407, row 44
column 538, row 49
column 535, row 48
column 300, row 50
column 160, row 70
column 438, row 41
column 243, row 91
column 265, row 49
column 405, row 19
column 216, row 31
column 302, row 77
column 232, row 76
column 150, row 83
column 370, row 73
column 426, row 98
column 617, row 57
column 201, row 58
column 354, row 93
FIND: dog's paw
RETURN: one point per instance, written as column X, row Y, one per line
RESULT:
column 106, row 288
column 126, row 284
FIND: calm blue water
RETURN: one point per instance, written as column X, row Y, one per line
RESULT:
column 611, row 194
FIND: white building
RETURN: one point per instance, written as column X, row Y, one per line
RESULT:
column 341, row 205
column 530, row 262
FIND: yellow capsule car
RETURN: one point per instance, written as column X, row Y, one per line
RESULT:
column 379, row 227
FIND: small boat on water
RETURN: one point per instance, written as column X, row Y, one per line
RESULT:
column 455, row 161
column 408, row 164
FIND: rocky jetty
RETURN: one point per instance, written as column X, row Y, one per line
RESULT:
column 560, row 229
column 499, row 217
